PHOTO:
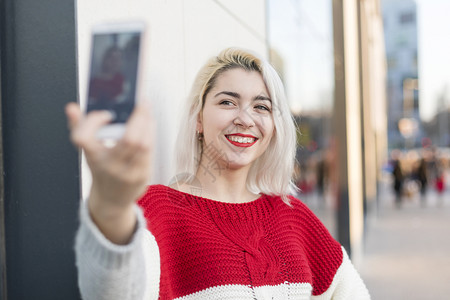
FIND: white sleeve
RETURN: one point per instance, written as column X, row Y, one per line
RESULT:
column 347, row 284
column 107, row 271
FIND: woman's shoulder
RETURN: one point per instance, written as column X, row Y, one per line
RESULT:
column 320, row 246
column 302, row 218
column 159, row 194
column 292, row 204
column 155, row 192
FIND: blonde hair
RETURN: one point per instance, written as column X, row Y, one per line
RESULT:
column 272, row 172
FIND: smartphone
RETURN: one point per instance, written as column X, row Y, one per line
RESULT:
column 114, row 73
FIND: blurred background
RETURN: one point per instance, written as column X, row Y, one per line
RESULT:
column 368, row 83
column 397, row 73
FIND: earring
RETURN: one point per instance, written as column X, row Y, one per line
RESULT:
column 199, row 135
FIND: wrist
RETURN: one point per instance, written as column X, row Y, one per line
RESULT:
column 108, row 206
column 116, row 222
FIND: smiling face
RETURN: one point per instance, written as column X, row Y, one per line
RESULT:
column 236, row 120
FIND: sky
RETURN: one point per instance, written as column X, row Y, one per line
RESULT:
column 434, row 54
column 301, row 31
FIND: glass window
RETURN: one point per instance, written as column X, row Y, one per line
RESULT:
column 407, row 18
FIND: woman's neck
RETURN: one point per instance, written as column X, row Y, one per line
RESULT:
column 225, row 185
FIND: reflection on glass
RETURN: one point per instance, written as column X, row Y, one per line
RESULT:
column 301, row 42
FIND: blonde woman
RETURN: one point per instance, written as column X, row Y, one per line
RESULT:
column 229, row 228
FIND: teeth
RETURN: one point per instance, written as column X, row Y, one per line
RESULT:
column 242, row 140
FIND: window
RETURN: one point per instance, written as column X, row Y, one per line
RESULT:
column 407, row 18
column 392, row 62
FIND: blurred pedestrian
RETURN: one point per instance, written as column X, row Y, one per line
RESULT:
column 440, row 182
column 321, row 176
column 397, row 172
column 422, row 177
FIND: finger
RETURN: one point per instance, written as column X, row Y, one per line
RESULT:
column 136, row 144
column 85, row 133
column 138, row 132
column 136, row 165
column 139, row 123
column 73, row 114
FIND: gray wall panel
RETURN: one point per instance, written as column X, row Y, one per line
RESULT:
column 41, row 168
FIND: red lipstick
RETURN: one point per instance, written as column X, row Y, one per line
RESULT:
column 241, row 140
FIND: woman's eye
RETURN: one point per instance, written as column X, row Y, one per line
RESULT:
column 263, row 107
column 226, row 102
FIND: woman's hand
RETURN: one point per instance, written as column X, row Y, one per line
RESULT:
column 120, row 173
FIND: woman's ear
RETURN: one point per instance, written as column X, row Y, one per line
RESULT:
column 200, row 123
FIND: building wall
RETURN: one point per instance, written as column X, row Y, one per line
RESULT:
column 373, row 102
column 182, row 35
column 400, row 29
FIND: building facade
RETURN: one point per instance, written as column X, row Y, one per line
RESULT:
column 400, row 31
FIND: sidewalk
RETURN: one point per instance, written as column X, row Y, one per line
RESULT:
column 407, row 249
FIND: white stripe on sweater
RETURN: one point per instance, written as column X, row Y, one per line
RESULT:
column 300, row 291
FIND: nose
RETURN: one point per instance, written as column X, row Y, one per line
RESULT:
column 244, row 119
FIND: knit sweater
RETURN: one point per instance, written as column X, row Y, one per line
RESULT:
column 197, row 248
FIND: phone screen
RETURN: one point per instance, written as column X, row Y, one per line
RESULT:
column 113, row 73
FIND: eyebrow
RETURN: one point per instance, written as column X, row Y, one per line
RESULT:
column 238, row 96
column 262, row 97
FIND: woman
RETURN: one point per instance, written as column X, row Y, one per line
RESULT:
column 109, row 85
column 244, row 237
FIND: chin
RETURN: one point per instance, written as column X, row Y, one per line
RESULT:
column 236, row 166
column 235, row 163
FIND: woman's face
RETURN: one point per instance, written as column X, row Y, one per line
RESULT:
column 236, row 120
column 112, row 62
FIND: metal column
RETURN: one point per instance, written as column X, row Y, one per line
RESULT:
column 348, row 132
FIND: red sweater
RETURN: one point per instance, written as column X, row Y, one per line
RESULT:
column 207, row 244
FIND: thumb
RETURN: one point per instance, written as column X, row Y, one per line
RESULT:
column 74, row 115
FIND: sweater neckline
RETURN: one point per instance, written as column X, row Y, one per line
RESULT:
column 256, row 210
column 218, row 202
